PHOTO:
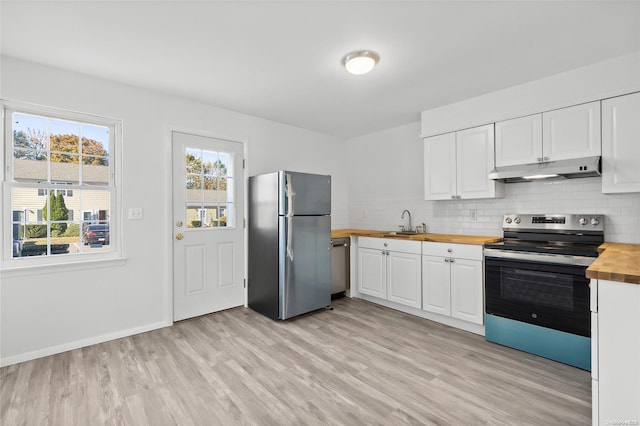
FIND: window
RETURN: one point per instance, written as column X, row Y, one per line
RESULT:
column 209, row 189
column 59, row 179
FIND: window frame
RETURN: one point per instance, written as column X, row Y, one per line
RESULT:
column 114, row 188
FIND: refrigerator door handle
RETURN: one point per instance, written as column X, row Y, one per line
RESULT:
column 290, row 194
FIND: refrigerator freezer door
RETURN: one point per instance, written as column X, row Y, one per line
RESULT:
column 304, row 194
column 305, row 281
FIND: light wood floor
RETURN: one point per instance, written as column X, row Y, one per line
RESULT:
column 358, row 364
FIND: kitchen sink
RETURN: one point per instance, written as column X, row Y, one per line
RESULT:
column 394, row 234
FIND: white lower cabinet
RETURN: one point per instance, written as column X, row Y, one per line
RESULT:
column 372, row 272
column 452, row 281
column 466, row 290
column 390, row 269
column 615, row 348
column 436, row 288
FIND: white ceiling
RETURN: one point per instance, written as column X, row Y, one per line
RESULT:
column 281, row 60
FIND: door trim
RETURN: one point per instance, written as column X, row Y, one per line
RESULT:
column 168, row 131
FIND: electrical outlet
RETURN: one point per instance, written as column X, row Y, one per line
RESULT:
column 473, row 214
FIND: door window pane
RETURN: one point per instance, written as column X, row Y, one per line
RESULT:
column 209, row 189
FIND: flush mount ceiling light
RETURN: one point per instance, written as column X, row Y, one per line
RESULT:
column 360, row 62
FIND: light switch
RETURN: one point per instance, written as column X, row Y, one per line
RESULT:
column 135, row 213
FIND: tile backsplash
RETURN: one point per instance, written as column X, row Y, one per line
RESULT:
column 484, row 217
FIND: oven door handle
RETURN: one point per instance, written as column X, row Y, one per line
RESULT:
column 539, row 257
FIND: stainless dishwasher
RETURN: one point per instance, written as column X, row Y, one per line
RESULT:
column 340, row 259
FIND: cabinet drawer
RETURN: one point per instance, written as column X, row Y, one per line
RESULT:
column 390, row 244
column 459, row 251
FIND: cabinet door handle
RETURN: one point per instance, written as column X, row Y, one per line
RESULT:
column 449, row 250
column 451, row 259
column 545, row 158
column 446, row 259
column 539, row 159
column 453, row 197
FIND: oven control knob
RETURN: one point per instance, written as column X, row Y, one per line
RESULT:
column 594, row 221
column 516, row 220
column 582, row 221
column 508, row 220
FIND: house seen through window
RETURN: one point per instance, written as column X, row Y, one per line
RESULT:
column 60, row 179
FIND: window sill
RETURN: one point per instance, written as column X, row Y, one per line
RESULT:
column 23, row 270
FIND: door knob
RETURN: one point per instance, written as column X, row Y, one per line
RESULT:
column 179, row 223
column 179, row 236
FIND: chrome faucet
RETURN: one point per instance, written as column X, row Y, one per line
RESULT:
column 402, row 217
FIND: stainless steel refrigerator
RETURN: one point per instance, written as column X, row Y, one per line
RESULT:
column 289, row 243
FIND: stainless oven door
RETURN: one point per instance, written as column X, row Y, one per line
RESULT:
column 538, row 290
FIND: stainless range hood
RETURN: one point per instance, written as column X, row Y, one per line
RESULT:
column 562, row 169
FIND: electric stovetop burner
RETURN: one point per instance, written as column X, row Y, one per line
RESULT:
column 561, row 234
column 552, row 247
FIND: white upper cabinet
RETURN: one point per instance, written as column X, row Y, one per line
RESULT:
column 621, row 144
column 519, row 141
column 440, row 167
column 457, row 165
column 474, row 160
column 562, row 134
column 572, row 132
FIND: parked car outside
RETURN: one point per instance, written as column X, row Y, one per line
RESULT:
column 96, row 234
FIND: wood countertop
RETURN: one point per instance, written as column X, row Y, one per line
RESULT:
column 439, row 238
column 617, row 262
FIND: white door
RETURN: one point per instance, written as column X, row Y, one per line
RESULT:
column 372, row 272
column 208, row 218
column 474, row 153
column 436, row 285
column 404, row 278
column 440, row 167
column 466, row 290
column 572, row 132
column 519, row 141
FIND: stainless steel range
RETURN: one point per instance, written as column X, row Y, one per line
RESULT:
column 536, row 292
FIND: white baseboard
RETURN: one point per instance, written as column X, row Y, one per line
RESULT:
column 52, row 350
column 452, row 322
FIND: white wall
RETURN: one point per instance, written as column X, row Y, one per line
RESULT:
column 52, row 312
column 386, row 177
column 597, row 81
column 386, row 168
